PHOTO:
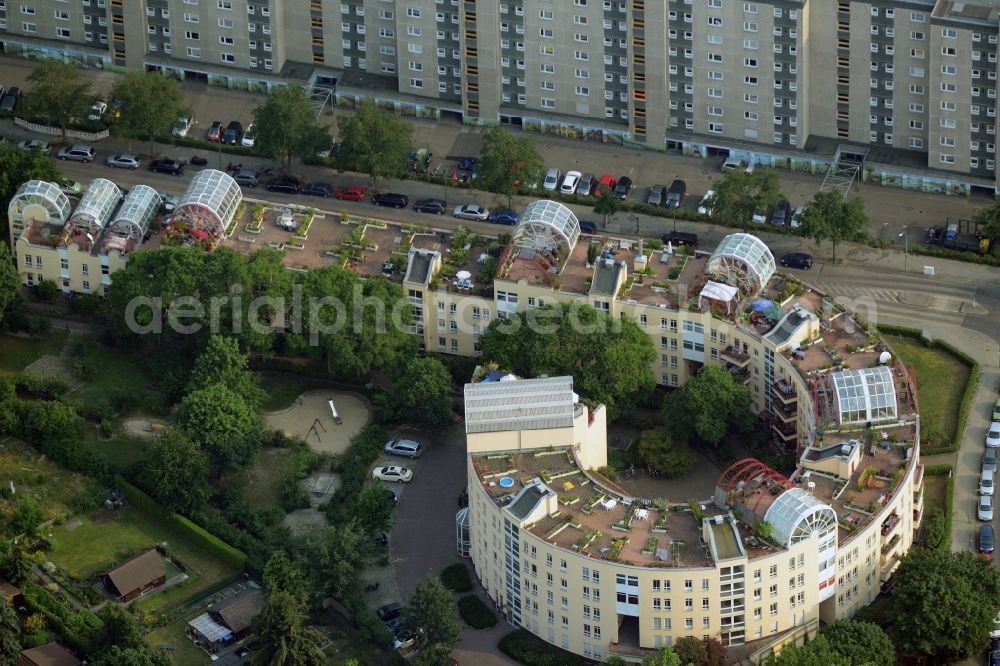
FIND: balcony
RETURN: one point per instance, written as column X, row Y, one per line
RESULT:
column 918, row 479
column 733, row 357
column 741, row 375
column 783, row 391
column 787, row 432
column 787, row 413
column 889, row 524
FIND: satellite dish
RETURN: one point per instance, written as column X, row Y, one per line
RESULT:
column 884, row 357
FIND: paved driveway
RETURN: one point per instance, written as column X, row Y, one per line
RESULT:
column 423, row 535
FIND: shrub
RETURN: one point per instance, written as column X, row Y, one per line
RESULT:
column 46, row 290
column 475, row 613
column 520, row 645
column 456, row 578
column 45, row 385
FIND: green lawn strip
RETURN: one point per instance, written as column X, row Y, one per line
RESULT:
column 941, row 382
column 57, row 489
column 184, row 652
column 114, row 369
column 92, row 548
column 121, row 450
column 17, row 353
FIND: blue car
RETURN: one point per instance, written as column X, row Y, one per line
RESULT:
column 467, row 164
column 504, row 216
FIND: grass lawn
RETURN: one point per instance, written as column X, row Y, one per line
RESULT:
column 185, row 651
column 122, row 450
column 95, row 545
column 56, row 487
column 935, row 492
column 282, row 390
column 17, row 353
column 114, row 369
column 941, row 380
column 261, row 482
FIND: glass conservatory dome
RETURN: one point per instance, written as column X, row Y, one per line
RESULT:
column 744, row 259
column 865, row 395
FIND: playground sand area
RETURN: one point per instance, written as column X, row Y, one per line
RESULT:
column 309, row 418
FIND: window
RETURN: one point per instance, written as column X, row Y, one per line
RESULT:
column 947, row 159
column 190, row 17
column 193, row 52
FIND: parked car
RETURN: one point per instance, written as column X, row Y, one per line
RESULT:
column 759, row 215
column 797, row 260
column 707, row 204
column 570, row 181
column 587, row 227
column 986, row 482
column 994, row 656
column 996, row 410
column 732, row 164
column 393, row 473
column 655, row 196
column 403, row 447
column 247, row 178
column 467, row 163
column 215, row 131
column 285, row 184
column 172, row 167
column 389, row 611
column 675, row 195
column 433, row 206
column 182, row 126
column 586, row 184
column 324, row 190
column 782, row 214
column 391, row 199
column 249, row 136
column 623, row 187
column 797, row 216
column 504, row 216
column 233, row 133
column 551, row 181
column 77, row 153
column 390, row 494
column 471, row 212
column 123, row 161
column 993, row 435
column 10, row 101
column 351, row 193
column 676, row 238
column 986, row 541
column 607, row 183
column 990, row 460
column 985, row 510
column 97, row 110
column 35, row 144
column 168, row 202
column 995, row 632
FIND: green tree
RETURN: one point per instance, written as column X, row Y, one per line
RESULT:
column 331, row 560
column 665, row 657
column 374, row 142
column 10, row 282
column 15, row 563
column 140, row 655
column 59, row 94
column 281, row 573
column 943, row 604
column 861, row 643
column 46, row 290
column 423, row 391
column 707, row 406
column 225, row 426
column 987, row 221
column 432, row 616
column 669, row 457
column 10, row 648
column 690, row 650
column 118, row 629
column 221, row 362
column 738, row 195
column 608, row 358
column 282, row 637
column 28, row 515
column 817, row 652
column 606, row 207
column 507, row 162
column 374, row 509
column 19, row 166
column 287, row 126
column 831, row 217
column 151, row 104
column 175, row 472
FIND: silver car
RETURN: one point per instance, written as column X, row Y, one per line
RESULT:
column 35, row 144
column 77, row 153
column 471, row 212
column 985, row 509
column 585, row 185
column 123, row 161
column 655, row 197
column 406, row 448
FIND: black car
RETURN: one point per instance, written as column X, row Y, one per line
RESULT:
column 623, row 187
column 987, row 542
column 172, row 167
column 286, row 184
column 233, row 133
column 10, row 100
column 675, row 195
column 391, row 199
column 995, row 653
column 797, row 260
column 318, row 189
column 389, row 612
column 676, row 238
column 391, row 496
column 588, row 227
column 782, row 213
column 436, row 206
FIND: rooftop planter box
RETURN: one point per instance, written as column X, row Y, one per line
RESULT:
column 650, row 547
column 625, row 524
column 661, row 526
column 569, row 500
column 616, row 547
column 507, row 472
column 584, row 542
column 589, row 506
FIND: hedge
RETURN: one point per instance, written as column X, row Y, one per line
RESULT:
column 475, row 613
column 456, row 578
column 949, row 497
column 956, row 255
column 937, row 470
column 198, row 536
column 523, row 646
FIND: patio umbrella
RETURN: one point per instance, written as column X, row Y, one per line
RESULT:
column 463, row 275
column 762, row 305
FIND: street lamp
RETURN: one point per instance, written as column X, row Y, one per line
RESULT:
column 635, row 218
column 906, row 247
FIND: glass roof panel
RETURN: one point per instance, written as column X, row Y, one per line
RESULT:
column 749, row 250
column 134, row 216
column 865, row 394
column 45, row 193
column 97, row 204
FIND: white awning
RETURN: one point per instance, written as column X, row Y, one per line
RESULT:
column 718, row 291
column 211, row 630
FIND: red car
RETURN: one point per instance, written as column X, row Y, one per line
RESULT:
column 215, row 131
column 352, row 193
column 607, row 183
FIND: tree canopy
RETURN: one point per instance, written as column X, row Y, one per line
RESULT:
column 987, row 220
column 10, row 648
column 831, row 217
column 28, row 515
column 861, row 643
column 151, row 105
column 667, row 455
column 19, row 166
column 507, row 162
column 738, row 195
column 221, row 362
column 422, row 392
column 374, row 142
column 817, row 652
column 432, row 616
column 59, row 94
column 223, row 424
column 175, row 472
column 943, row 604
column 665, row 657
column 606, row 207
column 282, row 636
column 707, row 406
column 287, row 126
column 609, row 358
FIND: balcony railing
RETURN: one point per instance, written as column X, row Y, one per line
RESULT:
column 733, row 356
